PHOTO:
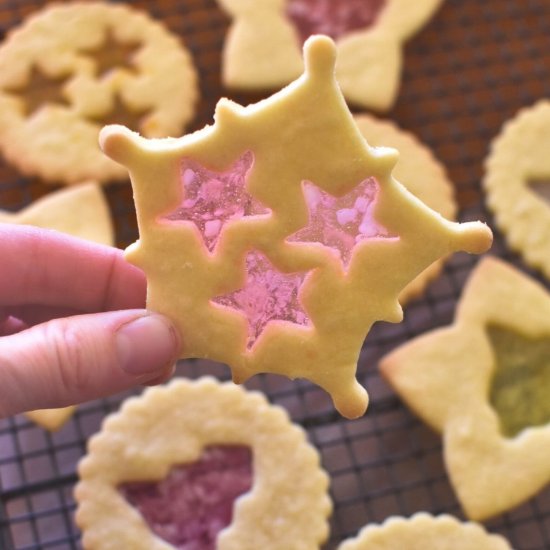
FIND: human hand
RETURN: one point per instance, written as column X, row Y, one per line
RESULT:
column 72, row 323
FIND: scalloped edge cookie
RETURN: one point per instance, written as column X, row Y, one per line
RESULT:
column 59, row 143
column 423, row 531
column 519, row 154
column 171, row 425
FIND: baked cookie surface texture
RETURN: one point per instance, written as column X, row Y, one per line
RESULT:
column 263, row 45
column 422, row 174
column 483, row 383
column 276, row 237
column 517, row 183
column 159, row 453
column 81, row 211
column 425, row 532
column 72, row 68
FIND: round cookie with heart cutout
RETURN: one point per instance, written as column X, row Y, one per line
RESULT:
column 204, row 465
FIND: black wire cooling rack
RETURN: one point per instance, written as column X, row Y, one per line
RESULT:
column 466, row 73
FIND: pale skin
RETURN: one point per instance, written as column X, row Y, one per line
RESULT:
column 73, row 324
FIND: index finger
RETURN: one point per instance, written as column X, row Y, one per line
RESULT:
column 40, row 266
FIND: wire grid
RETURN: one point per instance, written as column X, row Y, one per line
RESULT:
column 466, row 73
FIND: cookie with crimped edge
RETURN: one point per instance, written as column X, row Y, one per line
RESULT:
column 286, row 507
column 276, row 237
column 422, row 174
column 483, row 384
column 263, row 47
column 81, row 211
column 518, row 161
column 72, row 68
column 425, row 532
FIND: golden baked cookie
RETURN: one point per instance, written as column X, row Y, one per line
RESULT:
column 483, row 382
column 264, row 43
column 80, row 211
column 425, row 532
column 201, row 462
column 276, row 237
column 422, row 174
column 72, row 68
column 517, row 181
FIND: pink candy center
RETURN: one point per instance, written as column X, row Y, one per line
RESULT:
column 268, row 295
column 211, row 199
column 334, row 18
column 341, row 222
column 195, row 501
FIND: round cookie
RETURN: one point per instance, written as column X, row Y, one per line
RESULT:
column 173, row 425
column 422, row 174
column 425, row 532
column 72, row 68
column 517, row 165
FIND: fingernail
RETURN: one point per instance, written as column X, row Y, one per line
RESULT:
column 146, row 344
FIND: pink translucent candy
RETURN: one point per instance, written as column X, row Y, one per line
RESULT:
column 211, row 198
column 267, row 295
column 341, row 222
column 195, row 501
column 334, row 18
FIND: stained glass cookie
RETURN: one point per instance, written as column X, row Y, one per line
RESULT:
column 72, row 68
column 483, row 383
column 517, row 183
column 276, row 237
column 80, row 211
column 203, row 465
column 425, row 532
column 422, row 174
column 263, row 46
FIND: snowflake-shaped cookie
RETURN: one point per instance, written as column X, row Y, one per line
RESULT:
column 483, row 383
column 315, row 246
column 263, row 46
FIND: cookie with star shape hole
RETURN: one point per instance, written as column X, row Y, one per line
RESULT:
column 161, row 470
column 422, row 531
column 309, row 244
column 517, row 183
column 263, row 46
column 81, row 211
column 483, row 384
column 69, row 69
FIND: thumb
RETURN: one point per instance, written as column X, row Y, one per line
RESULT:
column 74, row 359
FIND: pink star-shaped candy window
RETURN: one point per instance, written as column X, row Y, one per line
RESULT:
column 268, row 295
column 211, row 199
column 341, row 222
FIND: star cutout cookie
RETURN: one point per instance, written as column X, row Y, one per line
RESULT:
column 425, row 532
column 517, row 180
column 263, row 46
column 470, row 381
column 71, row 68
column 81, row 211
column 304, row 133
